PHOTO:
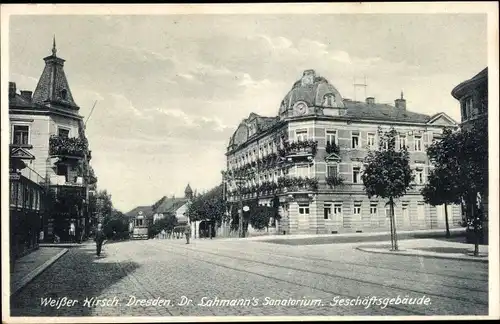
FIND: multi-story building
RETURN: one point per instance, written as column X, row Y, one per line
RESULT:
column 297, row 159
column 473, row 97
column 45, row 124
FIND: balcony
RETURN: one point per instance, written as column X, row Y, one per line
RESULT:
column 61, row 180
column 68, row 146
column 299, row 149
column 297, row 184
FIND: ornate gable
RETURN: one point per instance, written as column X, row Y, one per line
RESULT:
column 21, row 153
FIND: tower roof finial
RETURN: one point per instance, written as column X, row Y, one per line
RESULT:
column 402, row 94
column 54, row 50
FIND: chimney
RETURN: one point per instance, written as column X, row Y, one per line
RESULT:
column 400, row 103
column 26, row 94
column 370, row 100
column 12, row 89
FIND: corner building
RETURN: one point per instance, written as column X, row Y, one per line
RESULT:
column 47, row 130
column 293, row 161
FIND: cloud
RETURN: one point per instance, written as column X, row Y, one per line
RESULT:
column 192, row 121
column 179, row 114
column 123, row 102
column 247, row 81
column 341, row 56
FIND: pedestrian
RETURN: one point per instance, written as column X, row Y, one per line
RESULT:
column 72, row 232
column 187, row 232
column 99, row 239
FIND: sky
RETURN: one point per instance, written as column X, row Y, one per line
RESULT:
column 171, row 89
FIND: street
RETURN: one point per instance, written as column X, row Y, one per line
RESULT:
column 238, row 278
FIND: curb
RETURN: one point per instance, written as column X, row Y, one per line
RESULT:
column 33, row 274
column 422, row 255
column 61, row 245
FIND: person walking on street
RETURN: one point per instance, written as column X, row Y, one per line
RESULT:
column 99, row 239
column 187, row 232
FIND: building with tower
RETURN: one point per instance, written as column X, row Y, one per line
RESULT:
column 48, row 133
column 294, row 161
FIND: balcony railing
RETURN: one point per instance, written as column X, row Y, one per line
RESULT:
column 299, row 148
column 68, row 146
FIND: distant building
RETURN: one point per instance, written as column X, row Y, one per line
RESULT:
column 317, row 137
column 47, row 130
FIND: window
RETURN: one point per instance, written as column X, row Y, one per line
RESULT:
column 304, row 209
column 419, row 176
column 373, row 209
column 356, row 174
column 404, row 208
column 337, row 209
column 329, row 100
column 355, row 141
column 332, row 170
column 63, row 132
column 357, row 208
column 418, row 143
column 468, row 108
column 402, row 142
column 371, row 140
column 64, row 94
column 21, row 135
column 301, row 135
column 386, row 145
column 331, row 137
column 327, row 211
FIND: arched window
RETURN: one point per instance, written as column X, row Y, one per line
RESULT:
column 329, row 100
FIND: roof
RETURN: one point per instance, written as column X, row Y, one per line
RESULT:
column 363, row 110
column 19, row 101
column 170, row 205
column 53, row 86
column 312, row 90
column 262, row 123
column 459, row 90
column 146, row 210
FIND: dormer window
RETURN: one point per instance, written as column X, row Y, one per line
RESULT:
column 329, row 100
column 64, row 94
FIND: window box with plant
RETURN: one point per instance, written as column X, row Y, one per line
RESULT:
column 72, row 146
column 332, row 148
column 334, row 181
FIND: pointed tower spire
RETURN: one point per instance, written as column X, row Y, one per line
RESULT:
column 54, row 49
column 402, row 94
column 188, row 193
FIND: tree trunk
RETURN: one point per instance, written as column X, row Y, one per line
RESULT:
column 391, row 201
column 446, row 220
column 476, row 228
column 392, row 230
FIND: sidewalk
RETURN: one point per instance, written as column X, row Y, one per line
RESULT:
column 309, row 239
column 432, row 248
column 32, row 264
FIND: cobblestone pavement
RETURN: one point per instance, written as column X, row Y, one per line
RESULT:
column 206, row 270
